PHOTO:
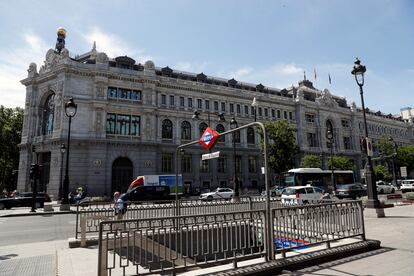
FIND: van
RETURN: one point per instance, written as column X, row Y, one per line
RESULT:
column 407, row 185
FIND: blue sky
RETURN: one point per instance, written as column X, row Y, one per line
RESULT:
column 269, row 42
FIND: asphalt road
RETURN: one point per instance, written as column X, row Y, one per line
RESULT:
column 27, row 229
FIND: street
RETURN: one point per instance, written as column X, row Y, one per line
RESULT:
column 28, row 229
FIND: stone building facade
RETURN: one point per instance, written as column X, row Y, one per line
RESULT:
column 131, row 117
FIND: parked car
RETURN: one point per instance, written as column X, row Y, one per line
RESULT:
column 301, row 195
column 352, row 190
column 407, row 185
column 385, row 188
column 274, row 192
column 24, row 200
column 219, row 193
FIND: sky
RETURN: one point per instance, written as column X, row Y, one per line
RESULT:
column 256, row 41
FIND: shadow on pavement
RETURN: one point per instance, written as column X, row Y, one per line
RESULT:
column 7, row 257
column 330, row 265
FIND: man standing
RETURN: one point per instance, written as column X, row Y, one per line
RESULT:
column 118, row 206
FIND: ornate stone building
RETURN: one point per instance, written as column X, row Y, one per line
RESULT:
column 131, row 117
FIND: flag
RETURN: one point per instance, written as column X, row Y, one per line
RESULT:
column 329, row 77
column 314, row 71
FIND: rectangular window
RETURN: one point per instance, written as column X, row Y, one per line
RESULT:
column 166, row 163
column 112, row 92
column 216, row 106
column 123, row 124
column 266, row 112
column 163, row 99
column 273, row 113
column 345, row 123
column 186, row 164
column 285, row 115
column 252, row 164
column 238, row 109
column 347, row 143
column 181, row 101
column 310, row 118
column 252, row 110
column 222, row 165
column 205, row 166
column 260, row 111
column 136, row 95
column 290, row 115
column 231, row 108
column 246, row 110
column 207, row 103
column 199, row 104
column 311, row 138
column 172, row 100
column 124, row 93
column 238, row 163
column 223, row 107
column 278, row 114
column 190, row 102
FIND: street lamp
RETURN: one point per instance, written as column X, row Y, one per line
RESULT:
column 233, row 125
column 62, row 151
column 220, row 116
column 394, row 154
column 358, row 71
column 330, row 137
column 70, row 110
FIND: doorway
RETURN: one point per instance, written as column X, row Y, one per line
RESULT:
column 122, row 171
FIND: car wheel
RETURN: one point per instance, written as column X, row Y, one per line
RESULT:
column 381, row 191
column 273, row 194
column 210, row 198
column 392, row 191
column 2, row 206
column 305, row 202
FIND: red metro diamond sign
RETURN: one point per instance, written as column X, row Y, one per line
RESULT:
column 209, row 138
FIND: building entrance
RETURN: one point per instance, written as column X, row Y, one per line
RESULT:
column 122, row 171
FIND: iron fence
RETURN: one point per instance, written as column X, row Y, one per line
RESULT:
column 172, row 244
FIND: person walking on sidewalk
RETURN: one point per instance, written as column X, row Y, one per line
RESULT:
column 118, row 206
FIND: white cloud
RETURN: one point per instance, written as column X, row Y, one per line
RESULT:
column 190, row 67
column 13, row 68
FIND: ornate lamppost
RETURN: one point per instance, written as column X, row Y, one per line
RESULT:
column 358, row 71
column 70, row 110
column 254, row 105
column 330, row 137
column 62, row 151
column 236, row 187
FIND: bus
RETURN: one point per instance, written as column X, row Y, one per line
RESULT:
column 316, row 177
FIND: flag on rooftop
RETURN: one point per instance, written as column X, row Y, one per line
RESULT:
column 329, row 76
column 314, row 71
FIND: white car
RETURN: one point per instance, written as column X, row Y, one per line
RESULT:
column 385, row 188
column 301, row 195
column 407, row 185
column 219, row 193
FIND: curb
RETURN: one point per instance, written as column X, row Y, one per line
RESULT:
column 309, row 259
column 38, row 214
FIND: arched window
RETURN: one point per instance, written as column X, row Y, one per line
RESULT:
column 202, row 127
column 185, row 130
column 250, row 136
column 167, row 129
column 220, row 129
column 48, row 115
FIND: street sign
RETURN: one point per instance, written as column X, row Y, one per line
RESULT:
column 212, row 155
column 208, row 139
column 403, row 171
column 362, row 172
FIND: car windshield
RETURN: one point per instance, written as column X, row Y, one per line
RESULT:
column 290, row 191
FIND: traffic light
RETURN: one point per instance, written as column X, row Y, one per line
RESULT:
column 32, row 171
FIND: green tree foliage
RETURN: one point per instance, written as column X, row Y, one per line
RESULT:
column 405, row 157
column 340, row 163
column 282, row 147
column 310, row 161
column 386, row 146
column 11, row 123
column 381, row 173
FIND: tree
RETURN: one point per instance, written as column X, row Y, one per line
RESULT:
column 405, row 157
column 386, row 146
column 310, row 161
column 381, row 173
column 281, row 147
column 340, row 163
column 11, row 123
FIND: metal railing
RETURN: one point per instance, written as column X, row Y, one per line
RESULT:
column 88, row 216
column 172, row 244
column 300, row 226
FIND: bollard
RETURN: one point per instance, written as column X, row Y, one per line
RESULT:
column 83, row 231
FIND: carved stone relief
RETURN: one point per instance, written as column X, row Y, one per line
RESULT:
column 98, row 122
column 326, row 99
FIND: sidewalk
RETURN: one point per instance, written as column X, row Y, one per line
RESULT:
column 395, row 231
column 25, row 211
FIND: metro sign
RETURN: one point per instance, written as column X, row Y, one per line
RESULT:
column 209, row 138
